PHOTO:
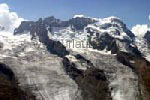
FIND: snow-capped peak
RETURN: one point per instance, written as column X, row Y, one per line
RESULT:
column 79, row 16
column 112, row 25
column 111, row 19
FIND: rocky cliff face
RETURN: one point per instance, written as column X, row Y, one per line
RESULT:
column 147, row 37
column 113, row 69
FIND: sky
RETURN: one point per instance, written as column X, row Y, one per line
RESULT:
column 132, row 12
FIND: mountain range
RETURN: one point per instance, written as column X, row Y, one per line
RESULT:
column 83, row 58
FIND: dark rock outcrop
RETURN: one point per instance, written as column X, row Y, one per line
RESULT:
column 9, row 89
column 1, row 45
column 105, row 42
column 147, row 37
column 2, row 28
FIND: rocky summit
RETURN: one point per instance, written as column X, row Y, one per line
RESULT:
column 36, row 62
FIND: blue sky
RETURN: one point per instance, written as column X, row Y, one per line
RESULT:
column 132, row 12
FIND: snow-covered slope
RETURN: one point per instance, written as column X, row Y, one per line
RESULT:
column 36, row 69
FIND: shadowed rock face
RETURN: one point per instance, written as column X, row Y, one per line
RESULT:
column 9, row 89
column 53, row 46
column 147, row 37
column 142, row 67
column 105, row 42
column 92, row 82
column 2, row 28
column 6, row 71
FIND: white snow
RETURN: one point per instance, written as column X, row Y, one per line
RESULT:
column 148, row 57
column 117, row 96
column 78, row 16
column 86, row 50
column 107, row 20
column 72, row 58
column 10, row 41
